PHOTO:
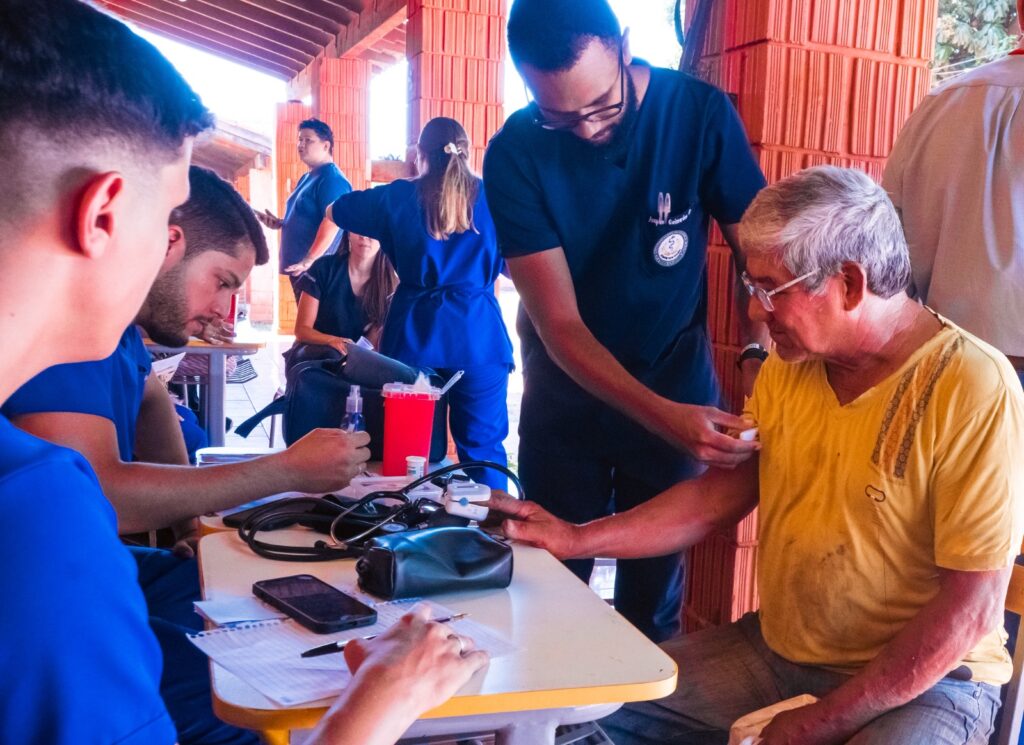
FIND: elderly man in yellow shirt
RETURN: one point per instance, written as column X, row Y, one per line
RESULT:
column 891, row 496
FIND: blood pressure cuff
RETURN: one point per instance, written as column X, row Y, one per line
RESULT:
column 419, row 563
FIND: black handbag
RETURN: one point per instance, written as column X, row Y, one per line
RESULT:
column 433, row 561
column 317, row 388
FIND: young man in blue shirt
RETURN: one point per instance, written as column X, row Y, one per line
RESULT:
column 121, row 419
column 301, row 227
column 96, row 131
column 602, row 190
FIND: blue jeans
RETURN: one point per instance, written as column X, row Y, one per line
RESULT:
column 170, row 586
column 478, row 416
column 729, row 671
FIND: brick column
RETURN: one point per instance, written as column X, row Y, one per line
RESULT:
column 825, row 82
column 456, row 51
column 341, row 97
column 289, row 170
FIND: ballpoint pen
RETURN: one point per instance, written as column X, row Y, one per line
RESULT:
column 340, row 645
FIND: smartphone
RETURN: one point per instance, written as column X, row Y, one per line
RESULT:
column 314, row 603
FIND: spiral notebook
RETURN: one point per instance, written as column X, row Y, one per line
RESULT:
column 266, row 654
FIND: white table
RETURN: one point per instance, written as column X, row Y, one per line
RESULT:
column 573, row 649
column 217, row 353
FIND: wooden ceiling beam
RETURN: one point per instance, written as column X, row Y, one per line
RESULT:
column 322, row 8
column 373, row 55
column 211, row 16
column 356, row 6
column 207, row 27
column 390, row 47
column 270, row 66
column 284, row 10
column 293, row 23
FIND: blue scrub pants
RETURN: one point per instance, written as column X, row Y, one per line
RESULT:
column 478, row 417
column 170, row 586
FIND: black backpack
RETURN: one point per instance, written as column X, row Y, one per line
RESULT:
column 316, row 390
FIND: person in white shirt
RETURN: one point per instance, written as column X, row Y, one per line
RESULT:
column 956, row 174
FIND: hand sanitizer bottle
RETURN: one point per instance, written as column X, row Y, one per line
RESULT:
column 353, row 421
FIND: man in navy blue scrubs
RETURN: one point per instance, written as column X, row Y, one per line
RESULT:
column 304, row 211
column 602, row 191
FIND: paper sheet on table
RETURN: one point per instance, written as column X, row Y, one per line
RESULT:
column 234, row 609
column 164, row 369
column 266, row 654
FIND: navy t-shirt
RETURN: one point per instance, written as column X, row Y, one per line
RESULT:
column 634, row 230
column 78, row 661
column 340, row 312
column 111, row 388
column 305, row 209
column 444, row 313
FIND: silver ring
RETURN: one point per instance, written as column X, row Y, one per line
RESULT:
column 462, row 644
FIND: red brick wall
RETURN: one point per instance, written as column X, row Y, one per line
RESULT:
column 341, row 98
column 456, row 51
column 825, row 82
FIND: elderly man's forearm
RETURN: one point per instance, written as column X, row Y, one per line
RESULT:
column 932, row 643
column 676, row 519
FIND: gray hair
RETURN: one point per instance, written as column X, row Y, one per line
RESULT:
column 816, row 219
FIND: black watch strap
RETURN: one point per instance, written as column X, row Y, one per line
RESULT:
column 752, row 352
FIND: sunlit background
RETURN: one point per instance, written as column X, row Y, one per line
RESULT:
column 246, row 97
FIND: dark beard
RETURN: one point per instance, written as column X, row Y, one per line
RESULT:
column 164, row 315
column 617, row 147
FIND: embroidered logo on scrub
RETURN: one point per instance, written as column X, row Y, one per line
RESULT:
column 671, row 248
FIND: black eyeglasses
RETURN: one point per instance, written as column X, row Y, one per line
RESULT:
column 597, row 115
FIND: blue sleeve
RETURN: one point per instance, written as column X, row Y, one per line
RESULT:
column 79, row 662
column 312, row 281
column 519, row 213
column 730, row 177
column 77, row 388
column 363, row 212
column 331, row 186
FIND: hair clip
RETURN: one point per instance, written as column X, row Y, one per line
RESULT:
column 452, row 149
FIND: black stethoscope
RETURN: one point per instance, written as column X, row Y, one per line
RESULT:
column 364, row 518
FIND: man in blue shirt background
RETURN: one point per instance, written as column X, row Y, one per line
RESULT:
column 302, row 226
column 602, row 191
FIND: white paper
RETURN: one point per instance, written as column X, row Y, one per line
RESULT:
column 164, row 369
column 234, row 609
column 267, row 654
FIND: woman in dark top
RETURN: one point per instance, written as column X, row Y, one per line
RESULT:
column 344, row 296
column 437, row 231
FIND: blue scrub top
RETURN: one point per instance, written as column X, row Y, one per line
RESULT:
column 79, row 662
column 111, row 388
column 633, row 223
column 340, row 312
column 444, row 313
column 305, row 208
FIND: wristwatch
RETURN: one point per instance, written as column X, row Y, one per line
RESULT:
column 753, row 351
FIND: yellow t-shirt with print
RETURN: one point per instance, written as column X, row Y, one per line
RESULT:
column 861, row 504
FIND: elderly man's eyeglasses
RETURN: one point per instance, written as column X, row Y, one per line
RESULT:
column 765, row 296
column 561, row 124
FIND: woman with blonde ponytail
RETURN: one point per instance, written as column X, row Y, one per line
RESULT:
column 437, row 231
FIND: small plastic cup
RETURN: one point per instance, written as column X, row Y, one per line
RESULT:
column 408, row 424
